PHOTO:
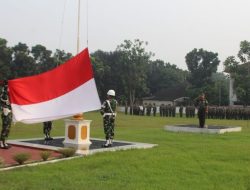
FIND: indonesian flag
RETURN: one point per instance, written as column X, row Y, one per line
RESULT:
column 62, row 92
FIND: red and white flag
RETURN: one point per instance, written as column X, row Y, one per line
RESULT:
column 62, row 92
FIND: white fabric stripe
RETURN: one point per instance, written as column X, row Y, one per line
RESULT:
column 82, row 99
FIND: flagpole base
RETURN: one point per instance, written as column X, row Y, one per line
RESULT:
column 78, row 117
column 77, row 134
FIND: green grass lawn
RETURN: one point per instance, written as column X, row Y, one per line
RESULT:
column 181, row 161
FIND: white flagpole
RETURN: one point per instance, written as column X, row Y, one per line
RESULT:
column 80, row 115
column 87, row 23
column 78, row 28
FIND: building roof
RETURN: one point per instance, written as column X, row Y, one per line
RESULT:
column 168, row 94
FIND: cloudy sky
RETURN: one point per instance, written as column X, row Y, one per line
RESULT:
column 171, row 27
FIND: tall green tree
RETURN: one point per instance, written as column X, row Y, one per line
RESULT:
column 201, row 64
column 23, row 63
column 5, row 60
column 218, row 89
column 43, row 58
column 135, row 60
column 102, row 63
column 60, row 56
column 163, row 75
column 239, row 70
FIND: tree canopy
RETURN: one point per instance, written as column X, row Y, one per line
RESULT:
column 21, row 61
column 239, row 70
column 201, row 64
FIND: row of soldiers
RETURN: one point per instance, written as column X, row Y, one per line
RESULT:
column 214, row 112
column 164, row 110
column 167, row 110
column 220, row 112
column 146, row 109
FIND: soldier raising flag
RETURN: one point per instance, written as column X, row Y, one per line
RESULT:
column 108, row 111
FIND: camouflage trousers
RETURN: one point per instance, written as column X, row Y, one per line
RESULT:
column 109, row 126
column 47, row 126
column 6, row 124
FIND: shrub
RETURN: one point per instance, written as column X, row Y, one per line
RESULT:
column 20, row 158
column 67, row 152
column 45, row 155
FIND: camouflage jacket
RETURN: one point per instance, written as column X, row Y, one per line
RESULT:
column 109, row 107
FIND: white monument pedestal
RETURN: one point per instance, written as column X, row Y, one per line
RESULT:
column 77, row 134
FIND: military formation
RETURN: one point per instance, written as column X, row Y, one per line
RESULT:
column 228, row 112
column 140, row 109
column 191, row 111
column 167, row 110
column 163, row 110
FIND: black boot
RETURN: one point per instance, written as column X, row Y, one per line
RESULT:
column 50, row 138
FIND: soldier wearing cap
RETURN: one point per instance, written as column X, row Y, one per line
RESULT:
column 202, row 105
column 108, row 111
column 6, row 116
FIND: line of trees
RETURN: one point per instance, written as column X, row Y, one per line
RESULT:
column 21, row 61
column 129, row 70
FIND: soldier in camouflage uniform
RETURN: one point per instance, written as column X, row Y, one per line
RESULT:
column 108, row 111
column 154, row 109
column 181, row 110
column 202, row 105
column 6, row 116
column 47, row 126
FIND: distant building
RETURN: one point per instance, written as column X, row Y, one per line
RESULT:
column 154, row 100
column 184, row 101
column 167, row 96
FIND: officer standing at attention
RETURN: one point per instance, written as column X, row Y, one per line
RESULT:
column 108, row 111
column 202, row 105
column 6, row 116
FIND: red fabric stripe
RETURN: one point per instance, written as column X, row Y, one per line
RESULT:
column 52, row 84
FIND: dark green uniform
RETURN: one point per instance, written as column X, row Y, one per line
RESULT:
column 202, row 109
column 6, row 117
column 181, row 111
column 108, row 111
column 154, row 109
